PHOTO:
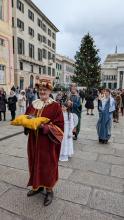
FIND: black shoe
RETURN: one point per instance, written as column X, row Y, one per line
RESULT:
column 48, row 198
column 106, row 142
column 100, row 140
column 103, row 142
column 32, row 192
column 75, row 137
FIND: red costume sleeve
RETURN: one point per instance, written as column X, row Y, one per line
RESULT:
column 56, row 127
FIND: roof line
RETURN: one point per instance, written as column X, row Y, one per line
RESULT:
column 42, row 14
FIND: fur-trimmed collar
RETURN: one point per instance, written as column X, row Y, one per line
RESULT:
column 38, row 104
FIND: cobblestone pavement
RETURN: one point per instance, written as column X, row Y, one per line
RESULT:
column 91, row 184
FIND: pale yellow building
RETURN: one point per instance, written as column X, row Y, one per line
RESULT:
column 113, row 71
column 64, row 70
column 6, row 51
column 34, row 37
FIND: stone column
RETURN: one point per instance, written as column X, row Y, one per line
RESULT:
column 118, row 79
column 123, row 81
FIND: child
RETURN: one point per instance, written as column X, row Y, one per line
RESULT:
column 67, row 142
column 22, row 102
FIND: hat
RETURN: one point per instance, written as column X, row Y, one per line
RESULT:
column 45, row 83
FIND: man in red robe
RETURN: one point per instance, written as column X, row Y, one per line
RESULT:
column 45, row 143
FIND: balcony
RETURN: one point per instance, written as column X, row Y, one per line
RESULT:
column 31, row 60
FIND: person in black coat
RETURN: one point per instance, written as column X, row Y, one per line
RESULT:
column 12, row 104
column 3, row 102
column 89, row 105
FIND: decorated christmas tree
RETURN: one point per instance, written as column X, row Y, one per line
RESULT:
column 87, row 65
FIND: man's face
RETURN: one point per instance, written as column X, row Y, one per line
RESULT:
column 107, row 93
column 73, row 89
column 44, row 93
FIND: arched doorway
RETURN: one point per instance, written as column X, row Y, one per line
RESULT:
column 31, row 81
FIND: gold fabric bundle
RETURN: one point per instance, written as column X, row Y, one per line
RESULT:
column 31, row 123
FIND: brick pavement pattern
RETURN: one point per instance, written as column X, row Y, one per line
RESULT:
column 91, row 184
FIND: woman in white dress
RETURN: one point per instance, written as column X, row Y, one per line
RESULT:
column 67, row 143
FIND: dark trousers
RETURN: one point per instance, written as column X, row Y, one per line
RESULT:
column 122, row 111
column 13, row 115
column 4, row 115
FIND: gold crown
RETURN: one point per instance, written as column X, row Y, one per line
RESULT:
column 45, row 83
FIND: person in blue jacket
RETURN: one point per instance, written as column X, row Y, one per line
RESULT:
column 76, row 107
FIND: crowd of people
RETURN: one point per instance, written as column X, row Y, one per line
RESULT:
column 54, row 141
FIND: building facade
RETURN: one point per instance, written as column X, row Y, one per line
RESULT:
column 6, row 49
column 112, row 74
column 64, row 70
column 34, row 44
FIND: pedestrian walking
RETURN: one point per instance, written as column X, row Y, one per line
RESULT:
column 76, row 107
column 106, row 109
column 12, row 104
column 3, row 102
column 30, row 97
column 67, row 142
column 117, row 98
column 45, row 144
column 122, row 102
column 89, row 105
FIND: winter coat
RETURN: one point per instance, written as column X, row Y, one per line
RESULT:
column 12, row 103
column 3, row 102
column 89, row 102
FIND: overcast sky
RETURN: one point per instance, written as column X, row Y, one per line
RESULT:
column 103, row 19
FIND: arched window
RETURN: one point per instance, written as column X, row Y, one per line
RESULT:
column 31, row 81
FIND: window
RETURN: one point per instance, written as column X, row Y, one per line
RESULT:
column 2, row 42
column 21, row 65
column 44, row 39
column 44, row 70
column 39, row 54
column 53, row 46
column 21, row 46
column 31, row 31
column 49, row 55
column 32, row 68
column 13, row 44
column 53, row 72
column 31, row 50
column 49, row 43
column 39, row 22
column 2, row 74
column 53, row 36
column 44, row 53
column 1, row 9
column 49, row 71
column 20, row 6
column 12, row 21
column 40, row 69
column 53, row 57
column 49, row 32
column 31, row 15
column 39, row 37
column 12, row 3
column 20, row 24
column 44, row 27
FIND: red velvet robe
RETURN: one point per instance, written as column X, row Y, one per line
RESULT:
column 44, row 150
